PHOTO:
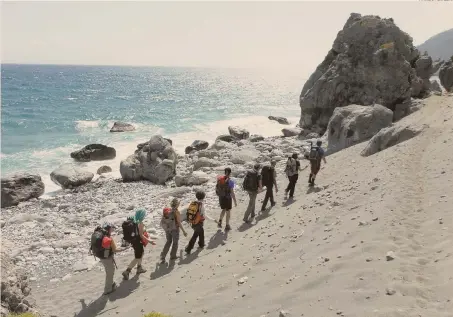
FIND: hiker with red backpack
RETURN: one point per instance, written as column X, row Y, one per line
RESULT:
column 103, row 247
column 195, row 217
column 252, row 185
column 269, row 179
column 134, row 232
column 225, row 191
column 171, row 223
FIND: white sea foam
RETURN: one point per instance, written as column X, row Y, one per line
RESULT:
column 82, row 125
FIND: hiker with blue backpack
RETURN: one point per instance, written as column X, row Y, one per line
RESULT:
column 315, row 156
column 225, row 191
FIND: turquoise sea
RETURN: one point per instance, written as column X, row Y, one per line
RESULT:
column 48, row 111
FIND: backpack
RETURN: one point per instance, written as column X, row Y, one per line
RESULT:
column 267, row 175
column 168, row 222
column 222, row 188
column 250, row 183
column 96, row 243
column 130, row 231
column 291, row 167
column 193, row 213
column 314, row 154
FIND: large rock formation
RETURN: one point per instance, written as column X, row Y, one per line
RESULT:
column 391, row 136
column 446, row 75
column 16, row 296
column 70, row 176
column 155, row 161
column 122, row 127
column 371, row 62
column 20, row 187
column 354, row 124
column 94, row 152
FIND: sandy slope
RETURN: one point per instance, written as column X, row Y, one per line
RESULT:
column 322, row 255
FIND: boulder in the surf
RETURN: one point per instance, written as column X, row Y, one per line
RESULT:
column 70, row 176
column 20, row 187
column 280, row 120
column 94, row 152
column 122, row 127
column 154, row 160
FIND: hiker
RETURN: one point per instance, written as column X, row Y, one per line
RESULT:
column 292, row 172
column 252, row 184
column 315, row 156
column 225, row 190
column 103, row 247
column 138, row 237
column 195, row 216
column 171, row 223
column 269, row 179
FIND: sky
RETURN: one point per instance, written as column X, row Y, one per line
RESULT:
column 275, row 35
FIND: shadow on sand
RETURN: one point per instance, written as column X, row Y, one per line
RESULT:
column 217, row 239
column 288, row 202
column 97, row 306
column 162, row 269
column 313, row 189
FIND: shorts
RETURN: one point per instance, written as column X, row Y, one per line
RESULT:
column 226, row 203
column 315, row 167
column 137, row 245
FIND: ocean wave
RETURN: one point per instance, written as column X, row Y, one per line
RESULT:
column 82, row 125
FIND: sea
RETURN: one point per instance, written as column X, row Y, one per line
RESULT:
column 48, row 111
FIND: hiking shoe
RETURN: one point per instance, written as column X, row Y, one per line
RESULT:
column 219, row 224
column 162, row 260
column 273, row 204
column 174, row 258
column 187, row 251
column 112, row 290
column 201, row 247
column 140, row 270
column 126, row 275
column 227, row 228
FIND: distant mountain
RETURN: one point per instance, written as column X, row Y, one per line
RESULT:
column 439, row 46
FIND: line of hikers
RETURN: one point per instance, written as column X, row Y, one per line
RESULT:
column 134, row 232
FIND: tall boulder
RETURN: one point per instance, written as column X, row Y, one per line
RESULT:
column 94, row 152
column 354, row 124
column 155, row 161
column 20, row 187
column 122, row 127
column 446, row 75
column 70, row 176
column 371, row 62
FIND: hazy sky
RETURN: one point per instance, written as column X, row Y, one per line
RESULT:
column 290, row 35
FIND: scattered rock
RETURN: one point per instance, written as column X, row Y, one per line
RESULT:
column 85, row 265
column 242, row 280
column 256, row 138
column 284, row 313
column 122, row 127
column 226, row 138
column 390, row 256
column 20, row 187
column 205, row 162
column 354, row 124
column 238, row 133
column 289, row 132
column 104, row 169
column 94, row 152
column 197, row 145
column 280, row 120
column 194, row 179
column 69, row 176
column 390, row 291
column 391, row 136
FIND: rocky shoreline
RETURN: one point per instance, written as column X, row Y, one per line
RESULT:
column 51, row 236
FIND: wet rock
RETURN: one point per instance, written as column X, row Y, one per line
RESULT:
column 122, row 127
column 19, row 188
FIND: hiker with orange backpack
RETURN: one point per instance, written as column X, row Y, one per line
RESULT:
column 225, row 190
column 171, row 223
column 195, row 217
